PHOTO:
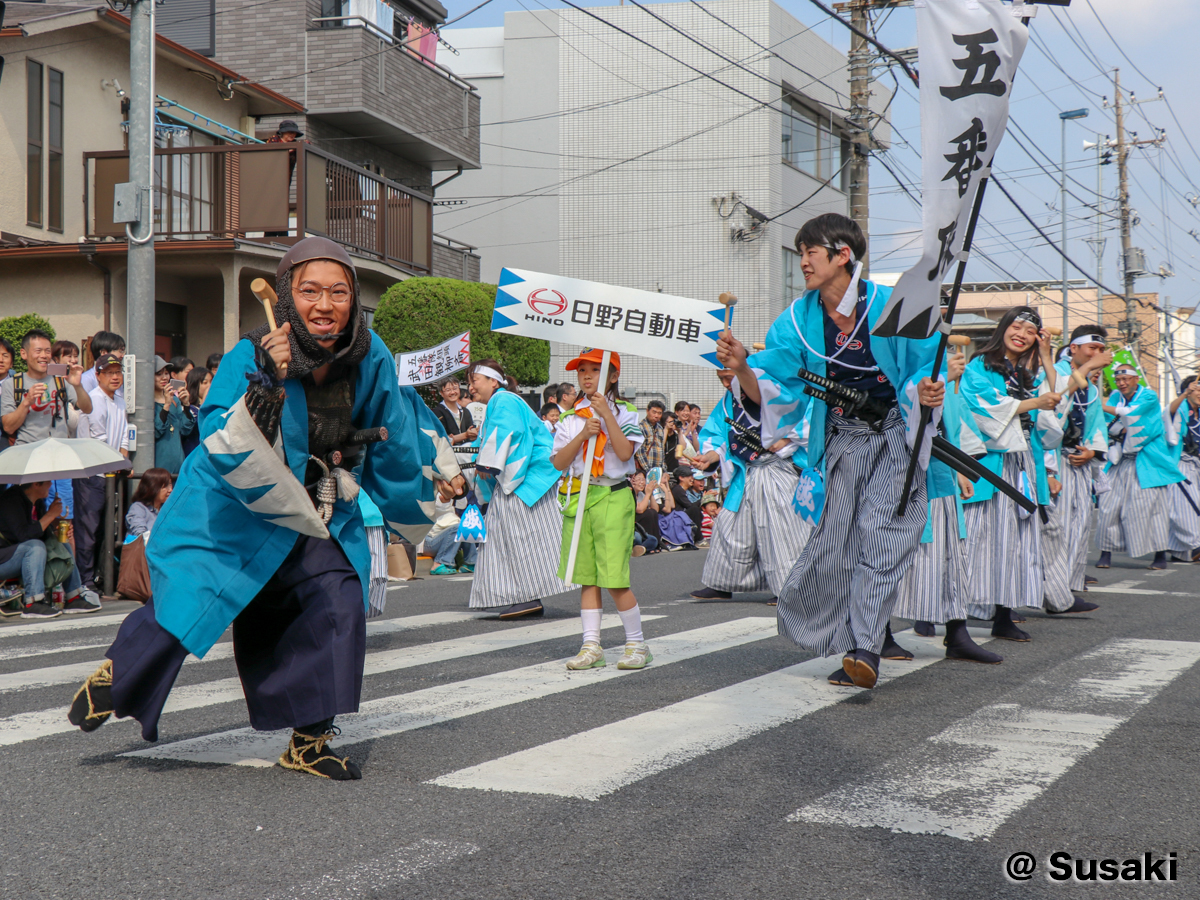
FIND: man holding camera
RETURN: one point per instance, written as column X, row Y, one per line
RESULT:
column 33, row 404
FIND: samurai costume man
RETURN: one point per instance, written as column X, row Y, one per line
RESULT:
column 518, row 563
column 839, row 595
column 263, row 530
column 936, row 588
column 1135, row 516
column 758, row 534
column 1184, row 436
column 1067, row 532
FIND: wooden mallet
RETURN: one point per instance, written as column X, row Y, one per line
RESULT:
column 960, row 341
column 266, row 295
column 758, row 345
column 727, row 300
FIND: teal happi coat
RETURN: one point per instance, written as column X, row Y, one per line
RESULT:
column 715, row 436
column 1146, row 435
column 995, row 420
column 515, row 444
column 797, row 340
column 1095, row 428
column 240, row 506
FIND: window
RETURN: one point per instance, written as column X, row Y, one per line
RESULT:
column 33, row 154
column 793, row 278
column 54, row 158
column 810, row 141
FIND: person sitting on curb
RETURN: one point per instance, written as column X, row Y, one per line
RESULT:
column 24, row 551
column 443, row 545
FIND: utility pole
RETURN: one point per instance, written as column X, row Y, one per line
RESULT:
column 139, row 327
column 1065, row 117
column 860, row 111
column 1131, row 326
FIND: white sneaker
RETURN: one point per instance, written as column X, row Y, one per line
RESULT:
column 637, row 656
column 590, row 656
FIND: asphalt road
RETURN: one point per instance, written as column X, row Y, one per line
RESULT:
column 727, row 769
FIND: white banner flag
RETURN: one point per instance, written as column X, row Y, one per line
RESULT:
column 644, row 323
column 968, row 52
column 425, row 366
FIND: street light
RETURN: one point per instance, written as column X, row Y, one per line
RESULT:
column 1064, row 116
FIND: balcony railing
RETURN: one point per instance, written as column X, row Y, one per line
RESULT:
column 281, row 192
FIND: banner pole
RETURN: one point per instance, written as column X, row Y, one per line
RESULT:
column 927, row 412
column 588, row 455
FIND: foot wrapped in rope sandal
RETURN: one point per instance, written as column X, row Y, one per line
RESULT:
column 93, row 702
column 306, row 753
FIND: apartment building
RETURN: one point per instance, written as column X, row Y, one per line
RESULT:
column 678, row 154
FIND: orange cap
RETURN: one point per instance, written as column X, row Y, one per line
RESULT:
column 592, row 354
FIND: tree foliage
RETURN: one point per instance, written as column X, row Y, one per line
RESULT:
column 423, row 312
column 13, row 328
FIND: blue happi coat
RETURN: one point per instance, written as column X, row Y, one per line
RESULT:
column 1146, row 435
column 1095, row 428
column 940, row 479
column 715, row 436
column 516, row 444
column 235, row 515
column 996, row 422
column 797, row 340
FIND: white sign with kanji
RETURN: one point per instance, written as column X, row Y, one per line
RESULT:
column 425, row 366
column 969, row 53
column 644, row 323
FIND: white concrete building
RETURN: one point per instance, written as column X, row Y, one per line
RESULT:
column 610, row 160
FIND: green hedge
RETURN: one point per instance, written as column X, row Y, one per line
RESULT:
column 423, row 312
column 15, row 327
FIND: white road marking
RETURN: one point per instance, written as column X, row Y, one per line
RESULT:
column 368, row 878
column 60, row 625
column 627, row 751
column 971, row 778
column 26, row 726
column 404, row 712
column 80, row 643
column 74, row 673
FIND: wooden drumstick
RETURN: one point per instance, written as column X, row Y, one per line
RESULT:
column 758, row 345
column 727, row 300
column 266, row 295
column 1053, row 330
column 960, row 341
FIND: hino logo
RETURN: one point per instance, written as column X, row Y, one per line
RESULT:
column 547, row 302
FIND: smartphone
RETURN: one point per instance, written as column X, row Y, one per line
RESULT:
column 58, row 370
column 177, row 384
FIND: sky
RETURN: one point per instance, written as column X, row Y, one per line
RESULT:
column 1067, row 66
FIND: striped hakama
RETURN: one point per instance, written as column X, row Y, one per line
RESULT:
column 1133, row 519
column 377, row 585
column 840, row 594
column 1185, row 523
column 519, row 561
column 1004, row 552
column 1066, row 536
column 755, row 548
column 935, row 587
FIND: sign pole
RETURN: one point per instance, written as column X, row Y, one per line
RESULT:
column 588, row 455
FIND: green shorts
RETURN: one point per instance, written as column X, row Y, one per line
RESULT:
column 605, row 542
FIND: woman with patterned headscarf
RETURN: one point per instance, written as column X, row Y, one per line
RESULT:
column 263, row 531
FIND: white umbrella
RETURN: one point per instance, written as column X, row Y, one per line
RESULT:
column 55, row 458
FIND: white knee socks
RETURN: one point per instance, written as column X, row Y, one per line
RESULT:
column 632, row 620
column 591, row 624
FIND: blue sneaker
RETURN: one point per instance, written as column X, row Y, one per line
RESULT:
column 443, row 570
column 466, row 569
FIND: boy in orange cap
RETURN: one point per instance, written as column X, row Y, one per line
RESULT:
column 606, row 538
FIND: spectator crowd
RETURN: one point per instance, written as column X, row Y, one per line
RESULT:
column 52, row 531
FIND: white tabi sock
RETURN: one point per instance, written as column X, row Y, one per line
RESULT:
column 632, row 620
column 591, row 624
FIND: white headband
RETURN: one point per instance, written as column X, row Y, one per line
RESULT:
column 487, row 372
column 850, row 298
column 1124, row 370
column 1088, row 339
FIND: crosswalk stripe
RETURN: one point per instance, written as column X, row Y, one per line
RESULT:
column 40, row 723
column 74, row 673
column 621, row 753
column 971, row 778
column 60, row 625
column 368, row 878
column 80, row 643
column 404, row 712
